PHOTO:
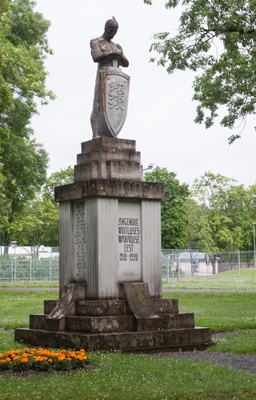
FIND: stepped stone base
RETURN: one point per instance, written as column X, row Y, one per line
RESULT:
column 170, row 340
column 138, row 323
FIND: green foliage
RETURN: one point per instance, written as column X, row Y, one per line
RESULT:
column 217, row 39
column 173, row 208
column 23, row 162
column 224, row 213
column 198, row 228
column 59, row 178
column 23, row 49
column 38, row 224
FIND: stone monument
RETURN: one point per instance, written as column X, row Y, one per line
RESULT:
column 110, row 239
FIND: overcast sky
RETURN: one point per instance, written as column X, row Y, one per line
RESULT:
column 161, row 111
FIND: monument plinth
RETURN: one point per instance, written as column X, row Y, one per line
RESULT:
column 110, row 239
column 114, row 218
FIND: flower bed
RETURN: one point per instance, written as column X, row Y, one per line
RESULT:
column 40, row 359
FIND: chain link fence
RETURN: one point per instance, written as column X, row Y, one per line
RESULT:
column 186, row 264
column 29, row 264
column 42, row 264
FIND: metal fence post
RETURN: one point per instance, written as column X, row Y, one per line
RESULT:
column 167, row 268
column 239, row 266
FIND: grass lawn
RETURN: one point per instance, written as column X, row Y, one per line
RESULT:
column 129, row 376
column 229, row 280
column 221, row 312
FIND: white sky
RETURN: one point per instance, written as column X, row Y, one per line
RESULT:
column 160, row 112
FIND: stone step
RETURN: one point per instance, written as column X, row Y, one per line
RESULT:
column 113, row 307
column 170, row 340
column 49, row 305
column 166, row 306
column 108, row 324
column 41, row 322
column 100, row 324
column 95, row 308
column 166, row 322
column 104, row 324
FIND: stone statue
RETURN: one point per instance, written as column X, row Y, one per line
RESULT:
column 112, row 85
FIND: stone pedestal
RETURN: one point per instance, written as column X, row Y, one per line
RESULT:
column 110, row 266
column 110, row 221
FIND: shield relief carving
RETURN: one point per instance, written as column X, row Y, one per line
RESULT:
column 114, row 93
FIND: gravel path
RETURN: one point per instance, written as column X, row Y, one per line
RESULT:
column 238, row 361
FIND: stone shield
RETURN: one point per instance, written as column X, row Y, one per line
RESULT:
column 114, row 85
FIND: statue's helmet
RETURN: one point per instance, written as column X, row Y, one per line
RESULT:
column 111, row 23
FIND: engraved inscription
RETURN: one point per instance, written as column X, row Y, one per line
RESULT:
column 80, row 240
column 129, row 238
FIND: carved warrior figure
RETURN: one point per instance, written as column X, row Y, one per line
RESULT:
column 112, row 85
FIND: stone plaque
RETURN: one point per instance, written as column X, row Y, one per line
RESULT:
column 80, row 244
column 129, row 240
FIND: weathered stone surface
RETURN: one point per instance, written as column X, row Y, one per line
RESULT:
column 66, row 305
column 111, row 144
column 119, row 169
column 49, row 305
column 166, row 322
column 109, row 188
column 104, row 324
column 119, row 324
column 166, row 306
column 108, row 159
column 174, row 340
column 102, row 308
column 142, row 305
column 40, row 321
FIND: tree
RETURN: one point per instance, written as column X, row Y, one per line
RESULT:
column 228, row 209
column 38, row 224
column 173, row 208
column 218, row 39
column 24, row 46
column 24, row 171
column 59, row 178
column 23, row 162
column 198, row 228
